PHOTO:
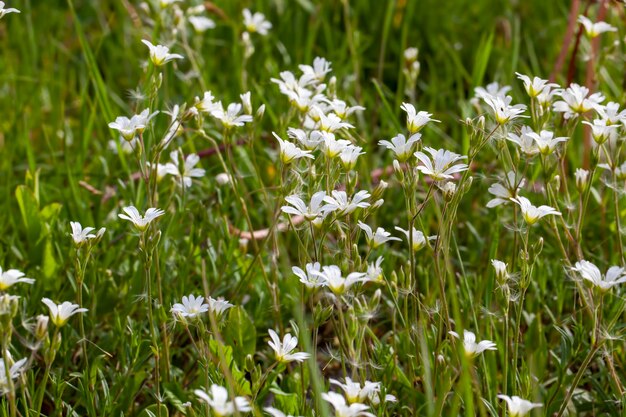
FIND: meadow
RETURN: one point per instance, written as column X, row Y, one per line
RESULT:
column 312, row 208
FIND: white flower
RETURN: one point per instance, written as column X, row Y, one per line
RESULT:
column 333, row 147
column 16, row 368
column 309, row 141
column 159, row 54
column 186, row 171
column 594, row 30
column 340, row 202
column 614, row 276
column 419, row 239
column 504, row 192
column 284, row 350
column 230, row 117
column 129, row 128
column 440, row 165
column 525, row 141
column 600, row 131
column 620, row 171
column 332, row 122
column 349, row 155
column 582, row 177
column 4, row 11
column 310, row 278
column 333, row 279
column 206, row 104
column 501, row 270
column 318, row 70
column 201, row 23
column 163, row 169
column 375, row 239
column 400, row 146
column 290, row 152
column 415, row 121
column 256, row 23
column 275, row 412
column 611, row 114
column 575, row 101
column 80, row 235
column 191, row 307
column 503, row 111
column 12, row 277
column 218, row 306
column 217, row 399
column 517, row 406
column 536, row 86
column 355, row 393
column 374, row 271
column 140, row 222
column 310, row 212
column 531, row 213
column 61, row 313
column 341, row 108
column 473, row 349
column 545, row 141
column 342, row 409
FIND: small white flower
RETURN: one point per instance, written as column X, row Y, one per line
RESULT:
column 594, row 30
column 4, row 11
column 341, row 108
column 492, row 90
column 349, row 156
column 318, row 70
column 61, row 313
column 218, row 306
column 534, row 87
column 441, row 164
column 231, row 116
column 611, row 114
column 415, row 121
column 256, row 23
column 15, row 369
column 129, row 128
column 503, row 111
column 374, row 271
column 333, row 279
column 410, row 54
column 275, row 412
column 600, row 131
column 576, row 101
column 80, row 235
column 546, row 142
column 531, row 213
column 310, row 141
column 12, row 277
column 201, row 23
column 375, row 239
column 290, row 152
column 331, row 123
column 419, row 239
column 190, row 307
column 400, row 146
column 582, row 177
column 339, row 201
column 500, row 267
column 473, row 349
column 186, row 171
column 217, row 399
column 159, row 54
column 506, row 191
column 310, row 278
column 333, row 147
column 284, row 350
column 310, row 212
column 140, row 222
column 525, row 141
column 517, row 406
column 344, row 410
column 354, row 392
column 206, row 103
column 614, row 276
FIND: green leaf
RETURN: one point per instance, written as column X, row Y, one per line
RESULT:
column 240, row 333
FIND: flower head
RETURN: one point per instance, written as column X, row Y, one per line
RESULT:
column 4, row 10
column 130, row 128
column 342, row 409
column 517, row 406
column 419, row 239
column 593, row 30
column 601, row 131
column 190, row 307
column 14, row 370
column 12, row 277
column 400, row 146
column 588, row 271
column 159, row 54
column 502, row 109
column 256, row 23
column 377, row 238
column 415, row 121
column 80, row 235
column 140, row 222
column 284, row 351
column 311, row 278
column 333, row 279
column 290, row 152
column 217, row 399
column 545, row 141
column 473, row 349
column 230, row 117
column 313, row 211
column 340, row 202
column 186, row 171
column 318, row 70
column 576, row 100
column 531, row 213
column 441, row 164
column 355, row 393
column 61, row 313
column 535, row 86
column 505, row 191
column 525, row 141
column 201, row 23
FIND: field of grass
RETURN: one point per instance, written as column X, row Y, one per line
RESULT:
column 532, row 268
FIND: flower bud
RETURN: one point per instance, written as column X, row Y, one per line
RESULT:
column 397, row 169
column 448, row 189
column 582, row 178
column 41, row 327
column 222, row 179
column 260, row 112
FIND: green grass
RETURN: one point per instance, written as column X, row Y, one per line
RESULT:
column 69, row 68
